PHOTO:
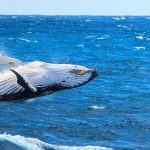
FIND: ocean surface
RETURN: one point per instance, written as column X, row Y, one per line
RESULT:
column 110, row 112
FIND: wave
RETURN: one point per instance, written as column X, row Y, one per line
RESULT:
column 17, row 142
column 119, row 25
column 148, row 18
column 140, row 37
column 24, row 39
column 94, row 107
column 102, row 38
column 119, row 18
column 29, row 32
column 90, row 37
column 80, row 45
column 139, row 47
column 123, row 26
column 88, row 20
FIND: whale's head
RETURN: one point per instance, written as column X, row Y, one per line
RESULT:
column 65, row 76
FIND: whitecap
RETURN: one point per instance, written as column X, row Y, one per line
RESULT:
column 90, row 36
column 140, row 37
column 94, row 107
column 18, row 142
column 139, row 47
column 88, row 20
column 116, row 18
column 119, row 25
column 97, row 45
column 30, row 100
column 29, row 33
column 148, row 18
column 119, row 18
column 24, row 39
column 80, row 45
column 123, row 18
column 102, row 38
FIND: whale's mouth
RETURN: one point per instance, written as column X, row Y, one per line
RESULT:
column 95, row 73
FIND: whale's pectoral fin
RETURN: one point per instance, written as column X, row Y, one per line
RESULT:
column 22, row 81
column 10, row 61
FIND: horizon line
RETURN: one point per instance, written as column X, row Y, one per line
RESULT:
column 72, row 15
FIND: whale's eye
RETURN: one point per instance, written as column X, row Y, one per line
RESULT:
column 80, row 72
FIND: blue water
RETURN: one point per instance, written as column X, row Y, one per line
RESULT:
column 113, row 110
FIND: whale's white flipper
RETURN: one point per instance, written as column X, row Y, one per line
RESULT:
column 37, row 73
column 24, row 82
column 10, row 61
column 8, row 84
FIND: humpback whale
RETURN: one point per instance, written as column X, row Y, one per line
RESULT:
column 25, row 80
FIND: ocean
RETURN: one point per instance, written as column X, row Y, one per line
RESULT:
column 110, row 112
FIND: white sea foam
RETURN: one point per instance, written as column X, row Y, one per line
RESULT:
column 119, row 25
column 30, row 100
column 102, row 38
column 80, row 45
column 89, row 36
column 26, row 40
column 29, row 32
column 122, row 26
column 94, row 107
column 139, row 47
column 116, row 18
column 17, row 142
column 140, row 37
column 22, row 39
column 88, row 20
column 119, row 18
column 97, row 45
column 123, row 18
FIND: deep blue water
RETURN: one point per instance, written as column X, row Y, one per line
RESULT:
column 113, row 110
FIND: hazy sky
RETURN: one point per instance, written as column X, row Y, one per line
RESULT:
column 76, row 7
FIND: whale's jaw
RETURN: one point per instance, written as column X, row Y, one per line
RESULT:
column 58, row 87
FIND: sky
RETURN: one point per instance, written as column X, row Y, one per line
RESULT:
column 75, row 7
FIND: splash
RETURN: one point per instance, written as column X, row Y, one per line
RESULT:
column 17, row 142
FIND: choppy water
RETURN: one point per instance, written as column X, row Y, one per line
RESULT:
column 111, row 111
